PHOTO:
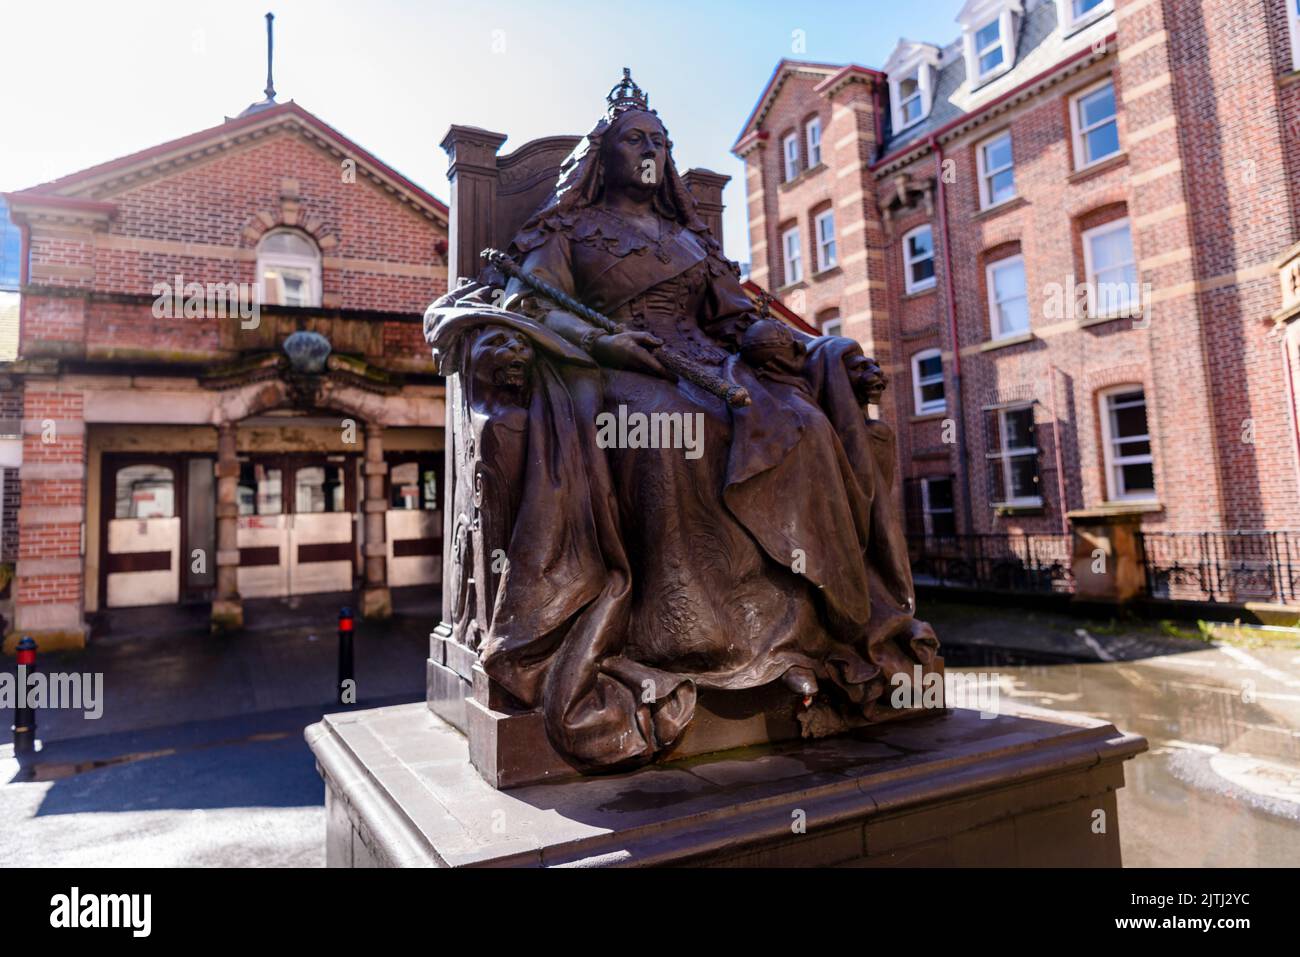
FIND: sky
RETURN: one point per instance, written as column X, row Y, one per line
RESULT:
column 92, row 81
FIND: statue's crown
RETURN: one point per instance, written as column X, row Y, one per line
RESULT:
column 626, row 95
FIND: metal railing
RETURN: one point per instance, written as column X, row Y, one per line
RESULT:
column 1012, row 562
column 1223, row 566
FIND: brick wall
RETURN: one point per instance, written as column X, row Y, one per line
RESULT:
column 1208, row 110
column 377, row 253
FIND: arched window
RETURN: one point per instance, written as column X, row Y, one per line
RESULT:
column 288, row 267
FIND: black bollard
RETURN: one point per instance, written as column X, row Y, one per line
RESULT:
column 345, row 653
column 25, row 716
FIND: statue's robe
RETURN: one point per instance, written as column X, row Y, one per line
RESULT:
column 636, row 575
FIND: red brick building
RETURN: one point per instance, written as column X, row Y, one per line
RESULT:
column 1061, row 232
column 173, row 448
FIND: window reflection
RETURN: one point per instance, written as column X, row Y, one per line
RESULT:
column 145, row 491
column 318, row 489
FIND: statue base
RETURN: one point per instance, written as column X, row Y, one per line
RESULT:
column 509, row 746
column 1030, row 788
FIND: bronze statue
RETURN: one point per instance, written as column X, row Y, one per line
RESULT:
column 604, row 585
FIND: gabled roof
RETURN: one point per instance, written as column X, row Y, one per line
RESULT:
column 100, row 181
column 783, row 71
column 909, row 53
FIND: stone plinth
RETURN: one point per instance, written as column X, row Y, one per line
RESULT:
column 509, row 746
column 1032, row 788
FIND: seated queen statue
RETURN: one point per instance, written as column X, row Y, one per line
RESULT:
column 604, row 581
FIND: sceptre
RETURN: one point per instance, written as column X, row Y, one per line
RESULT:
column 676, row 363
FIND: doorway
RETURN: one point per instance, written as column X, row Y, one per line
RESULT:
column 296, row 531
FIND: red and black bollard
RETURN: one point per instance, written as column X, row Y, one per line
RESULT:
column 25, row 716
column 345, row 656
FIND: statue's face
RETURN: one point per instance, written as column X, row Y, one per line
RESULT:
column 502, row 357
column 636, row 152
column 866, row 377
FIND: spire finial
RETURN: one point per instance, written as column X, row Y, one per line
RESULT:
column 270, row 50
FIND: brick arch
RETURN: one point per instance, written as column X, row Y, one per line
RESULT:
column 291, row 213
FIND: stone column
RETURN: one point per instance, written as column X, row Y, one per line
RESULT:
column 227, row 606
column 376, row 601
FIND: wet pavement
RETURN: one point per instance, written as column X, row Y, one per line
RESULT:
column 199, row 758
column 1220, row 785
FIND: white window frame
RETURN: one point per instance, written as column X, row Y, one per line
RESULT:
column 790, row 157
column 1090, row 273
column 813, row 139
column 1006, row 453
column 1113, row 463
column 1293, row 19
column 934, row 406
column 827, row 249
column 986, row 174
column 909, row 262
column 926, row 511
column 833, row 327
column 978, row 15
column 792, row 255
column 308, row 264
column 1078, row 131
column 918, row 96
column 995, row 305
column 911, row 61
column 980, row 53
column 1073, row 21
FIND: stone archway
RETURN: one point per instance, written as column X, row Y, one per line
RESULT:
column 331, row 391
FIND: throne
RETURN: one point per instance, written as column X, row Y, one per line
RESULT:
column 491, row 197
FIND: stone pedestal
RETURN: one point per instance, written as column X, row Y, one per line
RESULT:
column 1107, row 555
column 508, row 743
column 1032, row 788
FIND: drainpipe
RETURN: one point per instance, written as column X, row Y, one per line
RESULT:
column 879, row 94
column 24, row 276
column 963, row 464
column 1056, row 446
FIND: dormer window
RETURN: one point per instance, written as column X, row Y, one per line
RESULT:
column 1293, row 17
column 909, row 95
column 911, row 71
column 988, row 48
column 1078, row 13
column 989, row 37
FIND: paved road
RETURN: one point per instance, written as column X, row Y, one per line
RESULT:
column 232, row 783
column 199, row 757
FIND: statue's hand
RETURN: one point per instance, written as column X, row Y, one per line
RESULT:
column 630, row 350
